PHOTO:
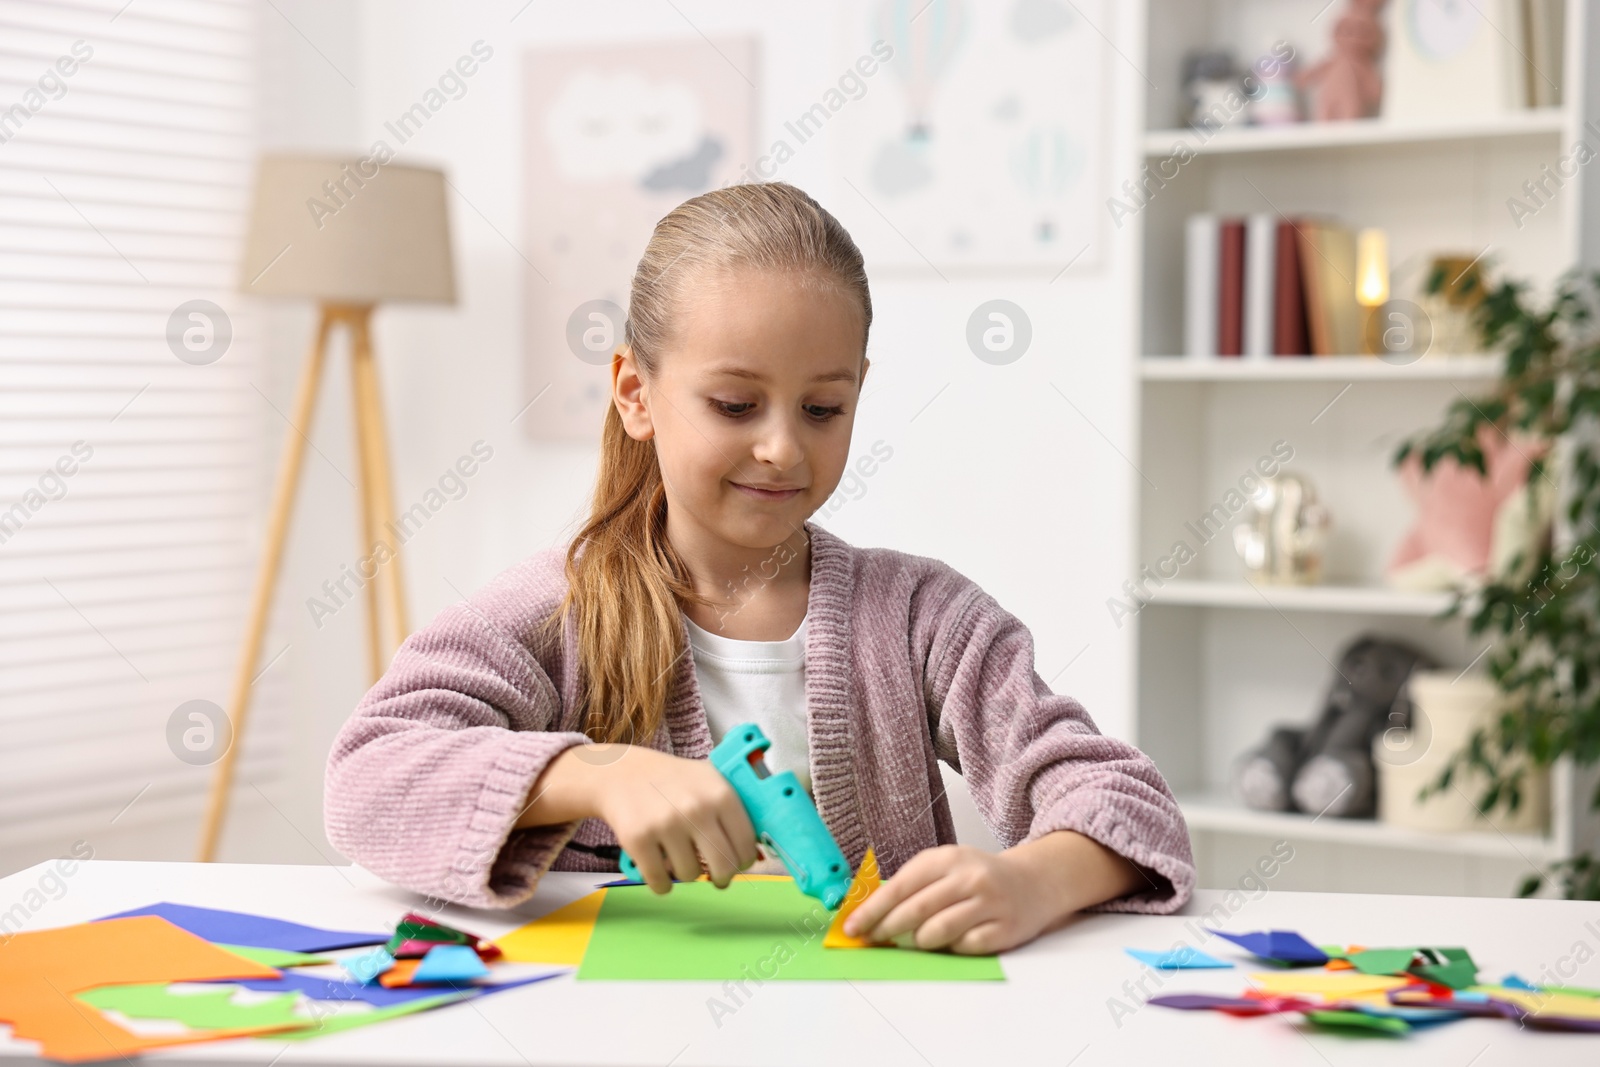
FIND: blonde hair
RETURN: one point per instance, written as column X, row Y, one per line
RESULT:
column 625, row 583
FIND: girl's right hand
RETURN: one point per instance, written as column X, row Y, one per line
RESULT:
column 671, row 814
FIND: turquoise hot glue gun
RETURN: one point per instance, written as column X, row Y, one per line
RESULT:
column 784, row 818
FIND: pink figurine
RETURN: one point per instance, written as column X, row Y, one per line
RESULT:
column 1347, row 83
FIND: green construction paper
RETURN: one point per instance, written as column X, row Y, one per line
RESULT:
column 1382, row 960
column 276, row 957
column 1457, row 971
column 333, row 1024
column 1333, row 952
column 1457, row 974
column 753, row 930
column 1383, row 1023
column 210, row 1010
column 404, row 932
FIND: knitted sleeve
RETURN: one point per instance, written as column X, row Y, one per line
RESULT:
column 1035, row 762
column 429, row 775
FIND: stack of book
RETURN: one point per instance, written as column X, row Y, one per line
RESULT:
column 1266, row 285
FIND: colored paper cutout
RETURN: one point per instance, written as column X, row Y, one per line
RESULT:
column 1452, row 967
column 861, row 886
column 1382, row 960
column 1325, row 983
column 258, row 931
column 399, row 976
column 449, row 963
column 1384, row 1024
column 1285, row 946
column 206, row 1009
column 366, row 967
column 561, row 937
column 273, row 957
column 767, row 929
column 1181, row 959
column 332, row 989
column 1546, row 1004
column 41, row 970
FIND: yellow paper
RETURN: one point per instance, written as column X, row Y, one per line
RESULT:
column 861, row 887
column 561, row 937
column 1326, row 983
column 1562, row 1005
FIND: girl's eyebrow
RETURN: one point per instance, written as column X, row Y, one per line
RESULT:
column 757, row 376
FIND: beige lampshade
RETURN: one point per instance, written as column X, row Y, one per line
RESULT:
column 349, row 231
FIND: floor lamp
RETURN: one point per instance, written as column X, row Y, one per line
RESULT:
column 349, row 234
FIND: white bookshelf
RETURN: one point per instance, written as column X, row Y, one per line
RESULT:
column 1325, row 369
column 1220, row 660
column 1311, row 136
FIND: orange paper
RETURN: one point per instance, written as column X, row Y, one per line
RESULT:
column 399, row 975
column 41, row 970
column 861, row 887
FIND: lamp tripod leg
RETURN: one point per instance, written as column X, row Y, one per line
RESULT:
column 283, row 494
column 369, row 406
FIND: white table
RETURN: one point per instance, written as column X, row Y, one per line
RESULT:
column 1054, row 1009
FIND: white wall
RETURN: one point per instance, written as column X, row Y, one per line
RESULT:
column 999, row 476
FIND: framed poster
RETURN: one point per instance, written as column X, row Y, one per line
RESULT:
column 982, row 145
column 615, row 137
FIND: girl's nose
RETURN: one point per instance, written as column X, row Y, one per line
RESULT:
column 779, row 445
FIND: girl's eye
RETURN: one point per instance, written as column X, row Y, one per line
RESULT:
column 736, row 409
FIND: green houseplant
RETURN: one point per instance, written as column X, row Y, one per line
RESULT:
column 1544, row 615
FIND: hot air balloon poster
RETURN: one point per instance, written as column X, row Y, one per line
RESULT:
column 982, row 143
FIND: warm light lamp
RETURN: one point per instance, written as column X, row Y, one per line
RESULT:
column 349, row 234
column 1372, row 286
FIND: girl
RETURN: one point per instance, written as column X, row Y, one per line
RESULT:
column 568, row 708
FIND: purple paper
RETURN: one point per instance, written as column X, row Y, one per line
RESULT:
column 256, row 931
column 1284, row 945
column 1206, row 1002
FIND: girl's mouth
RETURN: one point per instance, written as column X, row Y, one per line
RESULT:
column 759, row 493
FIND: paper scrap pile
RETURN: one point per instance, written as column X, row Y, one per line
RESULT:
column 174, row 974
column 1389, row 991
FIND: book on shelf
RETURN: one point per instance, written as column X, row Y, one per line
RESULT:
column 1328, row 267
column 1230, row 288
column 1289, row 336
column 1266, row 286
column 1201, row 242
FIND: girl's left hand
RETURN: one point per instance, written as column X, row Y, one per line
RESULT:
column 961, row 898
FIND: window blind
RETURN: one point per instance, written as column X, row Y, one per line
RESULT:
column 127, row 473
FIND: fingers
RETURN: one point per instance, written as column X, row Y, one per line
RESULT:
column 949, row 925
column 652, row 866
column 678, row 843
column 911, row 913
column 921, row 871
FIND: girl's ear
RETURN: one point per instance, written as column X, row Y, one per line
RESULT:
column 865, row 363
column 627, row 393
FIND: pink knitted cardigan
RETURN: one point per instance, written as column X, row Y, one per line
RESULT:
column 907, row 663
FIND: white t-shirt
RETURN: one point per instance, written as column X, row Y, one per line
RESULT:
column 763, row 682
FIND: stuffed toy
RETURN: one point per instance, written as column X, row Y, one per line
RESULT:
column 1472, row 526
column 1347, row 84
column 1327, row 770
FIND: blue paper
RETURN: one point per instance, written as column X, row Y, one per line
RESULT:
column 1182, row 959
column 449, row 963
column 367, row 967
column 256, row 931
column 1511, row 981
column 376, row 995
column 1285, row 946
